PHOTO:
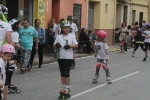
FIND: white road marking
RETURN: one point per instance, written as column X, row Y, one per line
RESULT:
column 99, row 86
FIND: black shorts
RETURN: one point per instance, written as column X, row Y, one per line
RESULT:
column 64, row 66
column 147, row 46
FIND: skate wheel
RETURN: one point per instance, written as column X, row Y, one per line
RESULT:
column 60, row 97
column 109, row 83
column 13, row 92
column 9, row 92
column 18, row 91
column 63, row 98
column 94, row 81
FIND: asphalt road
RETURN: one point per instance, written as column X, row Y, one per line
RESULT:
column 130, row 78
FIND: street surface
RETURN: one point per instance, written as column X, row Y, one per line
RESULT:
column 130, row 78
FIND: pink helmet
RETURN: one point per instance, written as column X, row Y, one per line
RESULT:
column 101, row 34
column 7, row 48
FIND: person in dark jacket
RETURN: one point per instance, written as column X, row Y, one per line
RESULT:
column 50, row 38
column 41, row 36
column 139, row 38
column 84, row 37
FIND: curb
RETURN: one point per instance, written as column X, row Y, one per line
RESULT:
column 78, row 56
column 54, row 59
column 113, row 50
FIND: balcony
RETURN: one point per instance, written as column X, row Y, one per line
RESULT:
column 123, row 1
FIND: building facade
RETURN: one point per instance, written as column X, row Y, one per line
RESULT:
column 102, row 15
column 46, row 9
column 130, row 11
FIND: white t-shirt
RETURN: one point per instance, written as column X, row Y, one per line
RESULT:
column 55, row 30
column 15, row 37
column 58, row 29
column 74, row 29
column 4, row 27
column 66, row 54
column 101, row 48
column 3, row 70
column 148, row 34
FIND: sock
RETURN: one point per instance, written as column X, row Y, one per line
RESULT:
column 67, row 86
column 63, row 86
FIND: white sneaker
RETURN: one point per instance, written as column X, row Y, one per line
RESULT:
column 125, row 52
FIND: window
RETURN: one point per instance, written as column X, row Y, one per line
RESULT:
column 133, row 15
column 77, row 14
column 106, row 8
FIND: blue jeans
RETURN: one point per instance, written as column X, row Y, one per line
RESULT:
column 26, row 58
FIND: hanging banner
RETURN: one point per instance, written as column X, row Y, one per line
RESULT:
column 41, row 12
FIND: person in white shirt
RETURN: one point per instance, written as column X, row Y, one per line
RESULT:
column 5, row 28
column 147, row 41
column 52, row 25
column 59, row 27
column 102, row 54
column 65, row 43
column 73, row 31
column 7, row 51
column 16, row 25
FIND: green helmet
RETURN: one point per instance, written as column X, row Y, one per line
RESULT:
column 70, row 17
column 64, row 23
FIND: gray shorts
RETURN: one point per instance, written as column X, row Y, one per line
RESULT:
column 102, row 61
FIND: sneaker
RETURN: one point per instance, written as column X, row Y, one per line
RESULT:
column 22, row 70
column 28, row 70
column 125, row 52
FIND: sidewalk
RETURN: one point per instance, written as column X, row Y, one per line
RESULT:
column 50, row 58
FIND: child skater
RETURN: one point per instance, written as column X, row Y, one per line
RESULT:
column 102, row 54
column 65, row 43
column 7, row 51
column 139, row 38
column 126, row 40
column 16, row 25
column 147, row 42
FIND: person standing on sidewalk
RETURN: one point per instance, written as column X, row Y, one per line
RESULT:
column 41, row 44
column 52, row 25
column 126, row 40
column 59, row 27
column 65, row 42
column 122, row 31
column 73, row 31
column 27, row 34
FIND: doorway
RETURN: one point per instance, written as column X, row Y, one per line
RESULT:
column 12, row 6
column 91, row 15
column 125, row 14
column 141, row 19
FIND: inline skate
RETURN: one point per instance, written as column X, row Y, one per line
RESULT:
column 145, row 58
column 13, row 89
column 95, row 79
column 108, row 79
column 64, row 94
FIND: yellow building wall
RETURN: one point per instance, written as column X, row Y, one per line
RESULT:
column 142, row 2
column 39, row 11
column 104, row 20
column 139, row 8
